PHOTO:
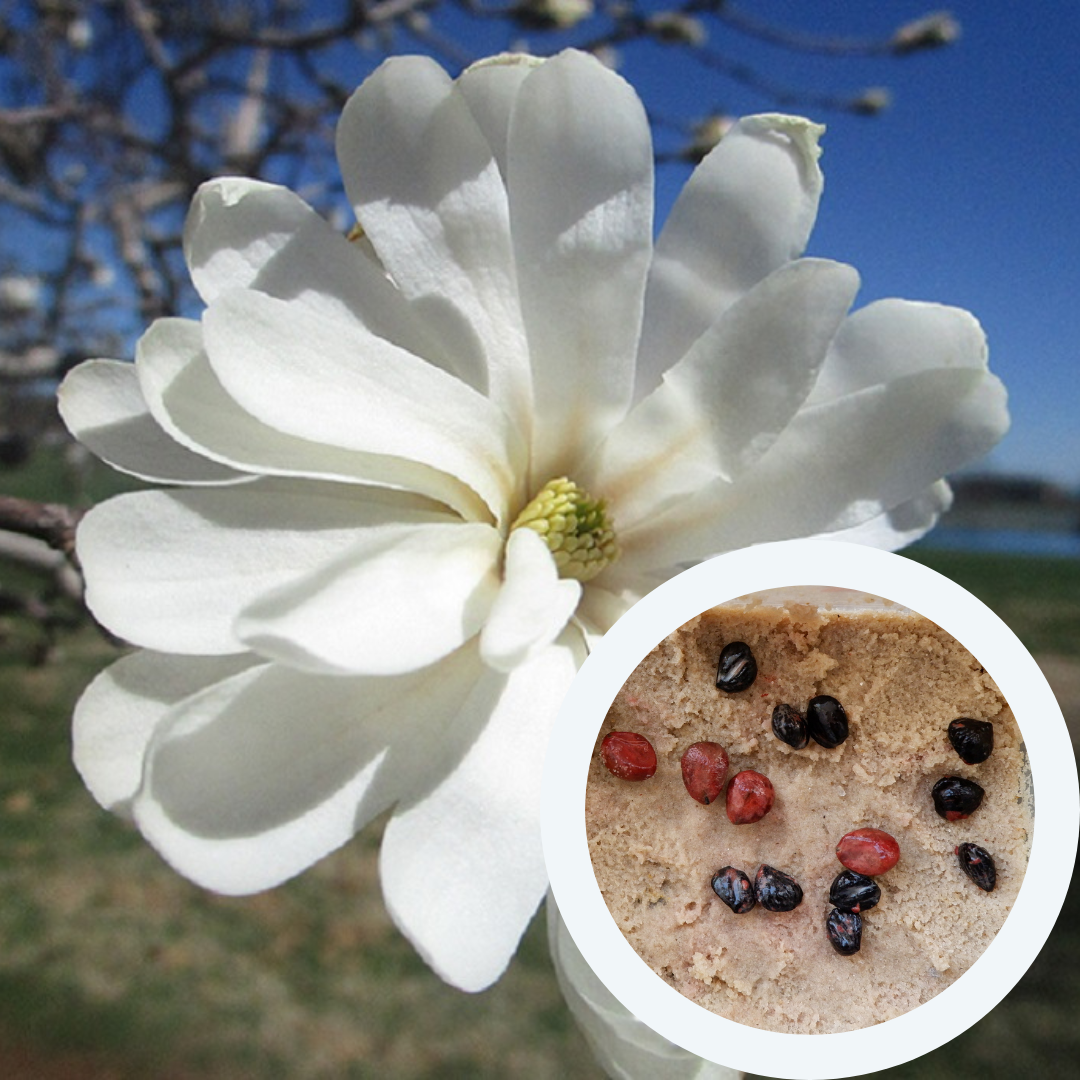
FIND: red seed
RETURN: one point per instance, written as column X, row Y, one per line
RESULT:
column 749, row 797
column 704, row 769
column 628, row 755
column 868, row 851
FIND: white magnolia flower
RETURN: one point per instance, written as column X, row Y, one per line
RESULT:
column 372, row 584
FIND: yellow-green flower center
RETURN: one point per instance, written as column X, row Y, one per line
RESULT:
column 574, row 526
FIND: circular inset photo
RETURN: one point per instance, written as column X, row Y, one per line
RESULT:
column 801, row 794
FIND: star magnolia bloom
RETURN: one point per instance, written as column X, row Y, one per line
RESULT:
column 417, row 468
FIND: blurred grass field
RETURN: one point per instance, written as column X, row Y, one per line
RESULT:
column 114, row 968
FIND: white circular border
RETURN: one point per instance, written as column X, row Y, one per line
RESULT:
column 1054, row 777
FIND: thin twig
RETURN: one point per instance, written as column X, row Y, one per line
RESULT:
column 54, row 523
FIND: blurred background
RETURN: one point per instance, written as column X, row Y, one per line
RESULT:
column 951, row 162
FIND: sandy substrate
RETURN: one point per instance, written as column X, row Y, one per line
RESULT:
column 902, row 680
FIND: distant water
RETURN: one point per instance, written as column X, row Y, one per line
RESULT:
column 1005, row 541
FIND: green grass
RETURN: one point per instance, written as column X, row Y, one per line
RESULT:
column 1039, row 598
column 50, row 476
column 109, row 960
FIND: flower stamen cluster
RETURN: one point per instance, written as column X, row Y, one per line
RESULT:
column 575, row 527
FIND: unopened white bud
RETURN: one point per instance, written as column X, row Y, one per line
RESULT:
column 930, row 32
column 872, row 100
column 555, row 14
column 19, row 293
column 675, row 28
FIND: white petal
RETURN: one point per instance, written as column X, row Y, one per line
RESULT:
column 427, row 190
column 103, row 407
column 228, row 250
column 626, row 1048
column 172, row 570
column 119, row 711
column 249, row 234
column 475, row 838
column 722, row 406
column 747, row 209
column 903, row 524
column 836, row 466
column 189, row 402
column 581, row 198
column 258, row 777
column 490, row 88
column 892, row 338
column 601, row 608
column 400, row 598
column 337, row 385
column 533, row 604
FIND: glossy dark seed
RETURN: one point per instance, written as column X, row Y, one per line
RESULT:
column 628, row 755
column 789, row 726
column 826, row 721
column 775, row 890
column 973, row 740
column 956, row 798
column 734, row 888
column 845, row 931
column 854, row 892
column 704, row 770
column 978, row 864
column 737, row 668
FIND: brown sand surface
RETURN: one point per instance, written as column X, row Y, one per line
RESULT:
column 901, row 680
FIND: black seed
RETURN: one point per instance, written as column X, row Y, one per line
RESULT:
column 775, row 890
column 956, row 798
column 973, row 740
column 734, row 888
column 854, row 892
column 827, row 721
column 978, row 864
column 737, row 668
column 845, row 931
column 789, row 727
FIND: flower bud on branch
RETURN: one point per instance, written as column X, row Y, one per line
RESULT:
column 930, row 32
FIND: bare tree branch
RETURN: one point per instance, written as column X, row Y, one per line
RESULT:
column 53, row 523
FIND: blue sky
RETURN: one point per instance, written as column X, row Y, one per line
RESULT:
column 966, row 191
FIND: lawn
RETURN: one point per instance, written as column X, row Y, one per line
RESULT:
column 108, row 955
column 113, row 967
column 1039, row 598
